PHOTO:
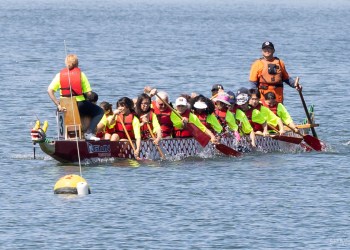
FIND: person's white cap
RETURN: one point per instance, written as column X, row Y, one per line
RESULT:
column 200, row 105
column 181, row 101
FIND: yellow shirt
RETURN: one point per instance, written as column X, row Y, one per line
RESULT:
column 214, row 123
column 246, row 127
column 283, row 114
column 85, row 85
column 177, row 121
column 270, row 117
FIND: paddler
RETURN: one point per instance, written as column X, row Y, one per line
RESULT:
column 229, row 120
column 72, row 78
column 125, row 115
column 269, row 72
column 148, row 118
column 278, row 109
column 180, row 130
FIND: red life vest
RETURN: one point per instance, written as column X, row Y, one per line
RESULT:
column 166, row 125
column 203, row 118
column 72, row 77
column 273, row 108
column 249, row 114
column 128, row 125
column 183, row 133
column 221, row 116
column 145, row 134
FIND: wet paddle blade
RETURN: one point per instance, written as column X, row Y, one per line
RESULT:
column 290, row 139
column 227, row 150
column 313, row 142
column 202, row 138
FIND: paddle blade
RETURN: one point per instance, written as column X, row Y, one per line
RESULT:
column 201, row 137
column 290, row 139
column 313, row 142
column 227, row 150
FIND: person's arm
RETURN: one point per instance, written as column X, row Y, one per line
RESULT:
column 137, row 132
column 53, row 87
column 156, row 128
column 254, row 74
column 214, row 123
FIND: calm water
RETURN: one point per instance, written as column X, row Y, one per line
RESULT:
column 266, row 201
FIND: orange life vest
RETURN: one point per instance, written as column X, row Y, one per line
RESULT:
column 128, row 125
column 166, row 125
column 183, row 133
column 73, row 78
column 270, row 79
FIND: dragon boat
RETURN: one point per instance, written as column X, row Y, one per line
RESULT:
column 66, row 150
column 69, row 146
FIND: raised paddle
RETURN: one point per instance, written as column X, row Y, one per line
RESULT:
column 305, row 109
column 313, row 142
column 201, row 137
column 158, row 148
column 129, row 139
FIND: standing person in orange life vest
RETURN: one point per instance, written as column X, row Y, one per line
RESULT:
column 268, row 73
column 71, row 78
column 148, row 118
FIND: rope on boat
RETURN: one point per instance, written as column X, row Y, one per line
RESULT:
column 71, row 97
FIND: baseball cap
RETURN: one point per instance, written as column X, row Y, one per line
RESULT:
column 242, row 91
column 232, row 97
column 181, row 101
column 267, row 44
column 216, row 87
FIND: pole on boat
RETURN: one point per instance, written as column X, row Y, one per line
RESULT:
column 305, row 109
column 72, row 184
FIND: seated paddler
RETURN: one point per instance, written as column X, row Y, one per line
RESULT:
column 184, row 117
column 148, row 119
column 126, row 123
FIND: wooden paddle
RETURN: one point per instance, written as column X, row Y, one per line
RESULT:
column 305, row 109
column 313, row 142
column 127, row 135
column 158, row 148
column 201, row 137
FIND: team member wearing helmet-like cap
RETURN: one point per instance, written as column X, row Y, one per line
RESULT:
column 269, row 72
column 180, row 129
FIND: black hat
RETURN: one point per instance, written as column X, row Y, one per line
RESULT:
column 216, row 87
column 267, row 44
column 242, row 91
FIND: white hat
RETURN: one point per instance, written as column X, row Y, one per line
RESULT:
column 242, row 99
column 181, row 101
column 200, row 105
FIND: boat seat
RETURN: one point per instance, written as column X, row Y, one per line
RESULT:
column 72, row 123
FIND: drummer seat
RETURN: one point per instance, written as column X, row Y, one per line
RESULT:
column 72, row 124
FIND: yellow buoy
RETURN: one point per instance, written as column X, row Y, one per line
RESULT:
column 68, row 185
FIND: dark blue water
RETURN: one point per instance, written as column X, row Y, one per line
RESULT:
column 264, row 201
